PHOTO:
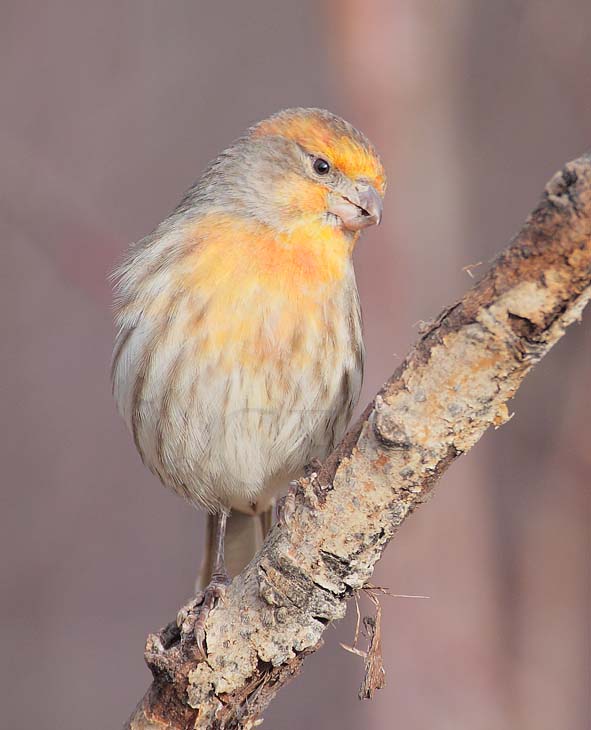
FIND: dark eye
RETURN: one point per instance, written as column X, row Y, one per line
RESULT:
column 321, row 167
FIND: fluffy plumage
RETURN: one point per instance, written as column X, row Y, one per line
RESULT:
column 238, row 355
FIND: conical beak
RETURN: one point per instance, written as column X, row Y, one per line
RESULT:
column 358, row 209
column 371, row 205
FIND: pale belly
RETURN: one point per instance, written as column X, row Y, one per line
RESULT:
column 232, row 436
column 235, row 439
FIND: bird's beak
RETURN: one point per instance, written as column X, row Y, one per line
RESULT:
column 358, row 209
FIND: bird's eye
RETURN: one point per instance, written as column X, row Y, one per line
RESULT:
column 321, row 167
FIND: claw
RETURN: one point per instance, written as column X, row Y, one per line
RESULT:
column 187, row 612
column 286, row 506
column 214, row 592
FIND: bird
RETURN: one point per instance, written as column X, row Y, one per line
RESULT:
column 238, row 355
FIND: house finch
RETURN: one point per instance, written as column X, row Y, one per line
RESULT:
column 238, row 357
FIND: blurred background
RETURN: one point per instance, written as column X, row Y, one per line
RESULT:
column 110, row 110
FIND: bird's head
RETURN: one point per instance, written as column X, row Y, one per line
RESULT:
column 300, row 167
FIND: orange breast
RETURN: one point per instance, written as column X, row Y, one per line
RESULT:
column 262, row 296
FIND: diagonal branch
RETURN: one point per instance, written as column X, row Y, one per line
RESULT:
column 453, row 385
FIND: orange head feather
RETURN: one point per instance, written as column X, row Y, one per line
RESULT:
column 327, row 136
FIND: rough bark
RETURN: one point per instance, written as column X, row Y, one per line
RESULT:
column 453, row 385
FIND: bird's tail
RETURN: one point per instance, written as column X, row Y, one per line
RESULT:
column 244, row 536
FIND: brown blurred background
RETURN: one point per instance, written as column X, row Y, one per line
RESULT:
column 109, row 111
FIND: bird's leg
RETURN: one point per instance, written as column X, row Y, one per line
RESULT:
column 219, row 573
column 218, row 583
column 266, row 520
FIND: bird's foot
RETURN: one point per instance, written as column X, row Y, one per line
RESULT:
column 313, row 467
column 191, row 619
column 286, row 506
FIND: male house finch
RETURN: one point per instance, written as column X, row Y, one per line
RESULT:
column 238, row 357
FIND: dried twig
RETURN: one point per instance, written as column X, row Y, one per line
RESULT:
column 375, row 675
column 469, row 267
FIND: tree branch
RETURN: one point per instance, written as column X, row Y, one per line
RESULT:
column 453, row 385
